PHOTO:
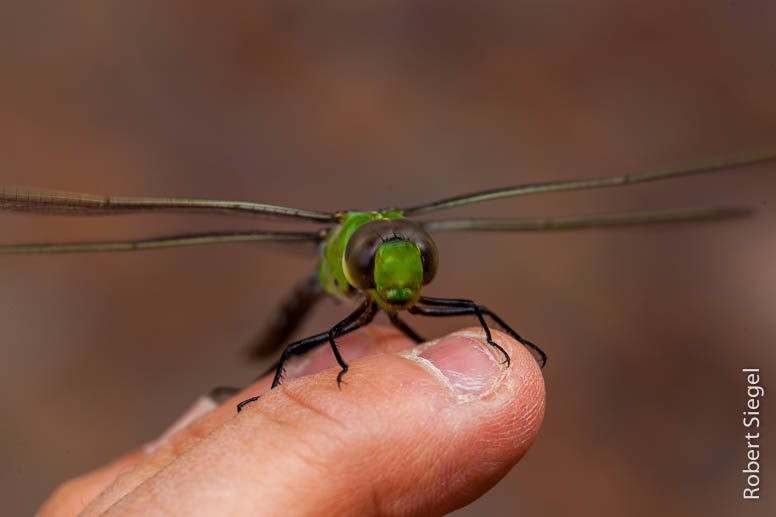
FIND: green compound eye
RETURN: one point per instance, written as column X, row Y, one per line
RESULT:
column 358, row 261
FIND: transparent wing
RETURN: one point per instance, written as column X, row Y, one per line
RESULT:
column 170, row 241
column 22, row 199
column 590, row 221
column 612, row 181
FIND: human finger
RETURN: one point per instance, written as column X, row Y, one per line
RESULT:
column 120, row 476
column 424, row 431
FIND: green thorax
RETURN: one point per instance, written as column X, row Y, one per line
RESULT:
column 330, row 271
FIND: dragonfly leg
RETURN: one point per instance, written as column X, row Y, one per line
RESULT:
column 221, row 393
column 457, row 307
column 295, row 348
column 405, row 329
column 349, row 324
column 358, row 318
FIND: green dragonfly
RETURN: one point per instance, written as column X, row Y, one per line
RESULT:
column 382, row 258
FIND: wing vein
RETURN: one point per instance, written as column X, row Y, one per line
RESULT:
column 169, row 241
column 612, row 181
column 23, row 199
column 588, row 221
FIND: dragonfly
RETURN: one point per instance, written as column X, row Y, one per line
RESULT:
column 381, row 259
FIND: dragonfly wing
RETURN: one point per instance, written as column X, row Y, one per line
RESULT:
column 22, row 199
column 590, row 221
column 611, row 181
column 169, row 241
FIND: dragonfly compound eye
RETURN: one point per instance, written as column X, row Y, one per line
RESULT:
column 359, row 258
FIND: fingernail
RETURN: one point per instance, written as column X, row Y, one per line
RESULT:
column 201, row 406
column 465, row 361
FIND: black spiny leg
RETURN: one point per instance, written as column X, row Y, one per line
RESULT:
column 295, row 348
column 362, row 316
column 406, row 329
column 358, row 318
column 456, row 307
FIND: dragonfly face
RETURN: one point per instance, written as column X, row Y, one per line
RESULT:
column 390, row 259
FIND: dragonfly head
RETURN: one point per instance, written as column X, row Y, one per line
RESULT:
column 390, row 259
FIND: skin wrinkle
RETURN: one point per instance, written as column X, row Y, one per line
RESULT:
column 244, row 443
column 419, row 449
column 247, row 430
column 185, row 439
column 367, row 458
column 316, row 456
column 92, row 508
column 424, row 453
column 98, row 502
column 375, row 501
column 383, row 482
column 375, row 385
column 417, row 453
column 283, row 421
column 301, row 431
column 150, row 462
column 298, row 393
column 288, row 392
column 314, row 459
column 522, row 421
column 89, row 509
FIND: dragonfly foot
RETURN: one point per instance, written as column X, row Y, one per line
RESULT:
column 245, row 402
column 495, row 345
column 339, row 377
column 458, row 306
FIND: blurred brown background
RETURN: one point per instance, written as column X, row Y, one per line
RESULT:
column 370, row 104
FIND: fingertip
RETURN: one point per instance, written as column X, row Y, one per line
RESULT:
column 414, row 430
column 511, row 395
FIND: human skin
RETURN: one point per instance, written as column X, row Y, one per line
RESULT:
column 414, row 430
